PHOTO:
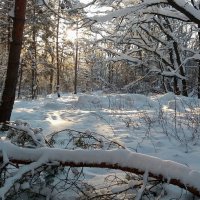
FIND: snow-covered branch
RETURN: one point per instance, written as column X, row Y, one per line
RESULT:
column 180, row 9
column 187, row 9
column 165, row 170
column 190, row 11
column 121, row 56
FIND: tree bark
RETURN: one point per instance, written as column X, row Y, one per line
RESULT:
column 34, row 59
column 182, row 72
column 51, row 77
column 57, row 53
column 8, row 96
column 198, row 87
column 76, row 62
column 20, row 78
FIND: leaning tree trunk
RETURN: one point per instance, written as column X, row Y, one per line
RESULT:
column 8, row 96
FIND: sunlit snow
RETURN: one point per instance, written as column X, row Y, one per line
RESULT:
column 164, row 126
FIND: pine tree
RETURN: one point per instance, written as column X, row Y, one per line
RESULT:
column 8, row 95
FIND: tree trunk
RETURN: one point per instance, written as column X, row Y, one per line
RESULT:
column 198, row 89
column 182, row 72
column 57, row 53
column 76, row 62
column 20, row 79
column 8, row 96
column 34, row 59
column 175, row 59
column 51, row 81
column 51, row 76
column 175, row 81
column 176, row 88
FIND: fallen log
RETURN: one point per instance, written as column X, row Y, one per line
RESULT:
column 121, row 159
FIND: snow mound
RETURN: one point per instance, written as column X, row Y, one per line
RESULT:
column 131, row 101
column 54, row 106
column 164, row 99
column 89, row 101
column 182, row 104
column 142, row 100
column 177, row 105
column 122, row 101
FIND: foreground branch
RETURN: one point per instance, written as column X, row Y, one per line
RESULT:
column 163, row 170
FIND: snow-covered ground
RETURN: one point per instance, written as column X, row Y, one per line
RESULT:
column 164, row 126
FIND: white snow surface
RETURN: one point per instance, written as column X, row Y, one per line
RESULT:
column 162, row 129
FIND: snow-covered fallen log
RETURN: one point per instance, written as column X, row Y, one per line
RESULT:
column 165, row 170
